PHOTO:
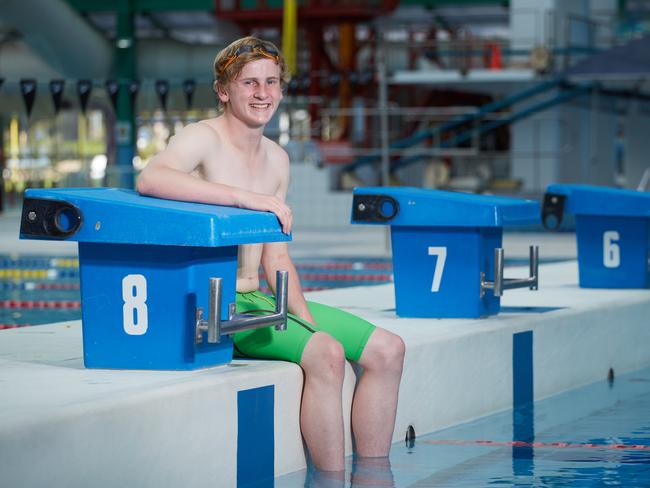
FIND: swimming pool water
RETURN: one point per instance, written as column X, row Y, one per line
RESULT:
column 594, row 436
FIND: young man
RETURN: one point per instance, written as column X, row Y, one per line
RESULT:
column 227, row 161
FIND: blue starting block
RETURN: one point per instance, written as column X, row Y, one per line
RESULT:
column 612, row 230
column 447, row 254
column 149, row 267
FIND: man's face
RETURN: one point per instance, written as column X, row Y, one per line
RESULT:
column 254, row 95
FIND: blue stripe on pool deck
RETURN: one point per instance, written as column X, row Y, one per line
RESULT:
column 523, row 409
column 522, row 369
column 255, row 437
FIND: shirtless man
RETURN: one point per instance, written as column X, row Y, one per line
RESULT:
column 227, row 161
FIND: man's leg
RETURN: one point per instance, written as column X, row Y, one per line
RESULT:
column 321, row 414
column 375, row 399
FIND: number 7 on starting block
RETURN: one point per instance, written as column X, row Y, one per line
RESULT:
column 441, row 253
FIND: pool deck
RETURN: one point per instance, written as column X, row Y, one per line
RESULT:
column 152, row 428
column 64, row 425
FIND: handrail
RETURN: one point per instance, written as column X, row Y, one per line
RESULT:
column 482, row 111
column 509, row 119
column 500, row 283
column 216, row 328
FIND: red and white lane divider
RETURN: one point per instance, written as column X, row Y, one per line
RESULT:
column 541, row 445
column 56, row 286
column 41, row 304
column 357, row 266
column 344, row 277
column 383, row 277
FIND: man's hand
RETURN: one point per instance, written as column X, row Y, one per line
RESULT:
column 266, row 203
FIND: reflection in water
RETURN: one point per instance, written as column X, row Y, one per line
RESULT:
column 523, row 408
column 372, row 472
column 523, row 431
column 366, row 473
column 324, row 479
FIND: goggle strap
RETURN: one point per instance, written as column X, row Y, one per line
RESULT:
column 258, row 49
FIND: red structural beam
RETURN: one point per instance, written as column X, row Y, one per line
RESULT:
column 264, row 12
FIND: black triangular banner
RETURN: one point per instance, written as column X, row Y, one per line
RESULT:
column 334, row 79
column 366, row 77
column 2, row 80
column 28, row 91
column 304, row 82
column 84, row 87
column 56, row 90
column 134, row 88
column 189, row 86
column 162, row 89
column 113, row 89
column 292, row 86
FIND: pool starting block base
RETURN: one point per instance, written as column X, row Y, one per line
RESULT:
column 612, row 232
column 149, row 268
column 447, row 247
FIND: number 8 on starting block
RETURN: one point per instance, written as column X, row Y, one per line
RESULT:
column 149, row 268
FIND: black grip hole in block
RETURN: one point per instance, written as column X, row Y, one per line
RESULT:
column 66, row 220
column 49, row 218
column 374, row 208
column 553, row 210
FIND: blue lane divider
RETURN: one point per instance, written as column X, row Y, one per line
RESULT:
column 38, row 262
column 255, row 437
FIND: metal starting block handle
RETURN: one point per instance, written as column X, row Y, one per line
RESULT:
column 500, row 283
column 238, row 322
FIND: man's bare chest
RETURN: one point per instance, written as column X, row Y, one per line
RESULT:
column 228, row 169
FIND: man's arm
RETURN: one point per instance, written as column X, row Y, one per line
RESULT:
column 168, row 176
column 275, row 255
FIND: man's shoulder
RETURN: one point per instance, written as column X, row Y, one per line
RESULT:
column 202, row 128
column 276, row 152
column 197, row 135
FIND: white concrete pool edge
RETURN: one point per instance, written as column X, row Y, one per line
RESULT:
column 63, row 425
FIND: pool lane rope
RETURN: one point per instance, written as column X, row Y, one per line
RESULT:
column 20, row 274
column 356, row 266
column 32, row 285
column 40, row 304
column 543, row 445
column 345, row 277
column 39, row 263
column 350, row 277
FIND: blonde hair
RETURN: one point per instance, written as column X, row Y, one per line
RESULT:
column 228, row 64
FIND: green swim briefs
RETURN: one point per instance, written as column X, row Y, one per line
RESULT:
column 267, row 343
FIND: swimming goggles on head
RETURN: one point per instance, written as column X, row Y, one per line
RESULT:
column 260, row 49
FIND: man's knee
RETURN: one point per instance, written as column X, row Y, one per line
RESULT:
column 384, row 352
column 323, row 357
